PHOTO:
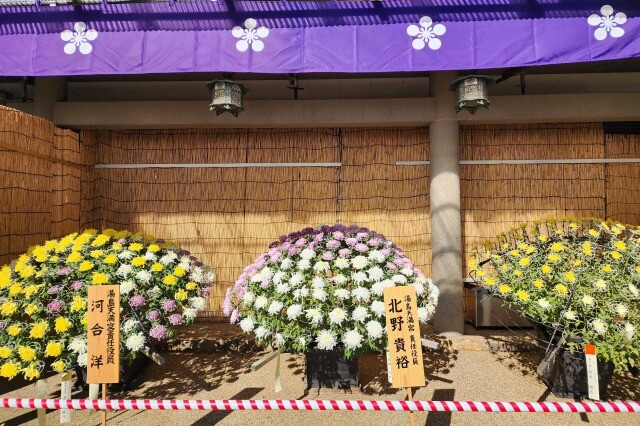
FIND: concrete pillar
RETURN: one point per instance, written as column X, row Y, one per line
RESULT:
column 446, row 230
column 48, row 90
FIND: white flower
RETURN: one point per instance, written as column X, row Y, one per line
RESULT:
column 425, row 34
column 129, row 325
column 544, row 303
column 307, row 254
column 570, row 315
column 296, row 279
column 340, row 279
column 376, row 256
column 341, row 263
column 155, row 291
column 377, row 307
column 210, row 276
column 359, row 262
column 319, row 294
column 185, row 263
column 82, row 359
column 359, row 277
column 278, row 276
column 376, row 273
column 588, row 300
column 374, row 329
column 261, row 302
column 407, row 272
column 304, row 264
column 431, row 309
column 360, row 314
column 197, row 276
column 321, row 266
column 248, row 298
column 190, row 313
column 377, row 289
column 314, row 315
column 600, row 285
column 434, row 292
column 197, row 303
column 419, row 288
column 352, row 339
column 78, row 344
column 301, row 293
column 261, row 332
column 246, row 324
column 317, row 282
column 621, row 309
column 250, row 36
column 124, row 271
column 279, row 338
column 607, row 23
column 294, row 311
column 78, row 38
column 423, row 315
column 302, row 341
column 633, row 289
column 361, row 294
column 150, row 256
column 283, row 288
column 135, row 342
column 399, row 279
column 143, row 276
column 629, row 330
column 127, row 286
column 387, row 283
column 168, row 258
column 599, row 326
column 341, row 293
column 326, row 340
column 286, row 263
column 337, row 315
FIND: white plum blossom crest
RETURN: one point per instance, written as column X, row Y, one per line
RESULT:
column 78, row 38
column 425, row 34
column 607, row 23
column 250, row 36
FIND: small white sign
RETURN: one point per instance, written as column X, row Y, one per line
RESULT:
column 65, row 393
column 591, row 358
column 389, row 376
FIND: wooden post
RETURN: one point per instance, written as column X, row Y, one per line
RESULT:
column 104, row 397
column 412, row 416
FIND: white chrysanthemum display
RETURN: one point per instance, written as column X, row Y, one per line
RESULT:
column 135, row 342
column 325, row 288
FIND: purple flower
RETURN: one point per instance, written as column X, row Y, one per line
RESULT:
column 293, row 251
column 265, row 283
column 327, row 255
column 53, row 290
column 286, row 245
column 137, row 301
column 63, row 271
column 158, row 332
column 205, row 291
column 77, row 285
column 3, row 325
column 344, row 252
column 391, row 265
column 301, row 242
column 121, row 241
column 338, row 235
column 351, row 241
column 55, row 305
column 169, row 305
column 234, row 316
column 153, row 315
column 333, row 244
column 362, row 247
column 175, row 319
column 318, row 237
column 385, row 252
column 374, row 242
column 361, row 235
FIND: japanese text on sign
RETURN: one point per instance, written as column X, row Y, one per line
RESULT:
column 103, row 334
column 403, row 337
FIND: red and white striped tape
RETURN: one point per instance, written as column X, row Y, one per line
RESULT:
column 322, row 405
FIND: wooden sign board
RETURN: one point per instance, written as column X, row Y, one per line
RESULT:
column 403, row 337
column 103, row 334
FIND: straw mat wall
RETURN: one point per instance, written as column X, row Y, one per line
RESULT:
column 39, row 182
column 623, row 180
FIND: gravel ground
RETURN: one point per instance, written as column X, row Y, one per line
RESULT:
column 467, row 368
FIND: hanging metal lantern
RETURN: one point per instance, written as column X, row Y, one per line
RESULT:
column 472, row 92
column 226, row 96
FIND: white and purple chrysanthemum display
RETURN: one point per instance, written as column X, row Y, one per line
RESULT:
column 324, row 287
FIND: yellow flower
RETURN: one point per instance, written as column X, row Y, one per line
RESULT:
column 153, row 248
column 74, row 257
column 473, row 264
column 8, row 308
column 522, row 246
column 525, row 261
column 62, row 324
column 638, row 270
column 607, row 268
column 135, row 247
column 9, row 370
column 620, row 245
column 31, row 289
column 138, row 261
column 54, row 258
column 84, row 320
column 616, row 255
column 593, row 232
column 523, row 295
column 570, row 276
column 59, row 366
column 96, row 254
column 517, row 273
column 31, row 309
column 5, row 352
column 558, row 232
column 489, row 282
column 85, row 266
column 538, row 283
column 530, row 249
column 192, row 286
column 553, row 258
column 99, row 278
column 15, row 289
column 38, row 330
column 157, row 267
column 27, row 353
column 116, row 246
column 50, row 245
column 514, row 253
column 543, row 238
column 31, row 372
column 53, row 349
column 557, row 247
column 573, row 226
column 561, row 289
column 27, row 272
column 480, row 273
column 546, row 269
column 179, row 271
column 78, row 304
column 13, row 330
column 577, row 263
column 505, row 246
column 100, row 240
column 617, row 229
column 40, row 254
column 170, row 280
column 180, row 295
column 110, row 259
column 504, row 289
column 5, row 277
column 82, row 239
